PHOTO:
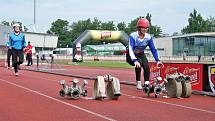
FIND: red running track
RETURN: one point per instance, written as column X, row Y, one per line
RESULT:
column 34, row 96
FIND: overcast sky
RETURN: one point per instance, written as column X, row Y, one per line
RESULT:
column 170, row 15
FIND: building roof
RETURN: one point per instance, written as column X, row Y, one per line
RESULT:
column 212, row 34
column 36, row 39
column 38, row 33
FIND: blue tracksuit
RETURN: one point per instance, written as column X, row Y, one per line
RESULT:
column 17, row 42
column 137, row 45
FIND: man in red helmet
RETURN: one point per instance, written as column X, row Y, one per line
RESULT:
column 138, row 41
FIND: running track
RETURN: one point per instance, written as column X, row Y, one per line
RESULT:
column 33, row 96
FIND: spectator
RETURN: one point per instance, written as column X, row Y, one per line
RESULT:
column 212, row 58
column 199, row 58
column 9, row 55
column 28, row 52
column 184, row 56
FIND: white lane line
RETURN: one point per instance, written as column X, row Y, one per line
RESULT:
column 74, row 106
column 172, row 104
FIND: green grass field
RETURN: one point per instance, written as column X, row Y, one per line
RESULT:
column 105, row 64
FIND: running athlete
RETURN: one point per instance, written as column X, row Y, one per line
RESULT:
column 17, row 43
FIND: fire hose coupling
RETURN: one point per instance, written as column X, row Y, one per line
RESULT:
column 158, row 89
column 157, row 86
column 73, row 91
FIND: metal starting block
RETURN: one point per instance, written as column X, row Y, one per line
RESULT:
column 74, row 91
column 103, row 90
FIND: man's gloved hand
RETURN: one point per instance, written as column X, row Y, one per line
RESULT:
column 137, row 64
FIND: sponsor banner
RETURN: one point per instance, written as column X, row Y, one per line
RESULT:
column 155, row 72
column 211, row 77
column 195, row 71
column 194, row 74
column 105, row 35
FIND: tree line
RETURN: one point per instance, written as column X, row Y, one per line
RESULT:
column 69, row 32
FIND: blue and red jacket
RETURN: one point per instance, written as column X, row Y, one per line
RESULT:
column 137, row 46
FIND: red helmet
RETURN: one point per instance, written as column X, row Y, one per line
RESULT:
column 142, row 22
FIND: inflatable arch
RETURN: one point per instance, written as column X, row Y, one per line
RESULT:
column 118, row 36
